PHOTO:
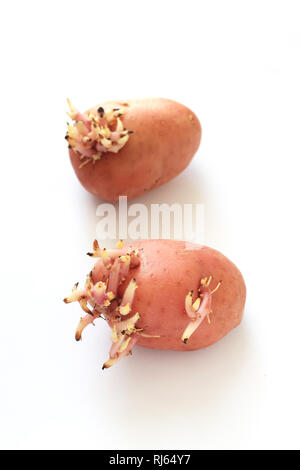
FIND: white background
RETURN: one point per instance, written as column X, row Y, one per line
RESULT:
column 236, row 64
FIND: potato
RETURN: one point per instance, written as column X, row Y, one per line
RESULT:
column 162, row 294
column 128, row 148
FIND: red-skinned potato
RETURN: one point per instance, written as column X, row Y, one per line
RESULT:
column 161, row 294
column 129, row 147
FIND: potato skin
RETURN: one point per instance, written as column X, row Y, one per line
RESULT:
column 166, row 136
column 168, row 271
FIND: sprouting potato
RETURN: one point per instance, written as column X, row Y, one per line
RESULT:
column 161, row 294
column 126, row 148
